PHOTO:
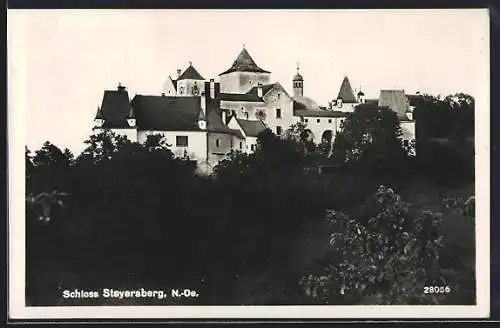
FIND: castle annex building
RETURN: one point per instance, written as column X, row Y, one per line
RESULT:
column 204, row 120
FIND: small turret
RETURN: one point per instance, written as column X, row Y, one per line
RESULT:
column 131, row 118
column 361, row 96
column 202, row 120
column 99, row 118
column 298, row 84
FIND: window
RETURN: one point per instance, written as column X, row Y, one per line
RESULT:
column 278, row 130
column 279, row 96
column 182, row 90
column 233, row 113
column 241, row 144
column 252, row 147
column 406, row 143
column 306, row 120
column 217, row 143
column 246, row 115
column 278, row 112
column 318, row 120
column 181, row 141
column 329, row 120
column 232, row 142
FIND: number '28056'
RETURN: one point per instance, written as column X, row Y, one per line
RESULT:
column 437, row 289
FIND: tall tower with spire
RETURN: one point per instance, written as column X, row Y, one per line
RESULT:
column 298, row 85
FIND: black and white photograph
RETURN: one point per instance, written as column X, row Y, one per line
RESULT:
column 249, row 163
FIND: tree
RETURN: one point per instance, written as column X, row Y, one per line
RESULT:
column 51, row 156
column 370, row 142
column 301, row 136
column 102, row 146
column 156, row 142
column 387, row 257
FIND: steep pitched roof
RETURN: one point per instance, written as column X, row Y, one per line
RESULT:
column 345, row 92
column 215, row 124
column 99, row 115
column 244, row 63
column 251, row 127
column 190, row 73
column 115, row 109
column 160, row 113
column 394, row 99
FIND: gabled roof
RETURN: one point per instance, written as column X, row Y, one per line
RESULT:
column 345, row 92
column 238, row 133
column 215, row 124
column 250, row 96
column 265, row 89
column 190, row 73
column 251, row 127
column 174, row 82
column 394, row 99
column 244, row 63
column 115, row 109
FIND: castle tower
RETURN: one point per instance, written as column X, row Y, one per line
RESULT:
column 298, row 85
column 243, row 75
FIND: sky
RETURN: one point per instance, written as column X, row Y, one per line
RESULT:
column 60, row 61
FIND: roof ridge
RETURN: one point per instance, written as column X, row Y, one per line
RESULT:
column 190, row 73
column 244, row 63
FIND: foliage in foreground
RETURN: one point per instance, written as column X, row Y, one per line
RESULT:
column 383, row 253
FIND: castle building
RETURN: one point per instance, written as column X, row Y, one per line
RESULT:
column 204, row 120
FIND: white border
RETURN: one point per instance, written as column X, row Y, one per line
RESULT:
column 16, row 183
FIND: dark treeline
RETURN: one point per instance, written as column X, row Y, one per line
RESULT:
column 126, row 215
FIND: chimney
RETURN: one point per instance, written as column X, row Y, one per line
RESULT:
column 178, row 73
column 259, row 90
column 212, row 88
column 163, row 94
column 203, row 101
column 224, row 117
column 121, row 87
